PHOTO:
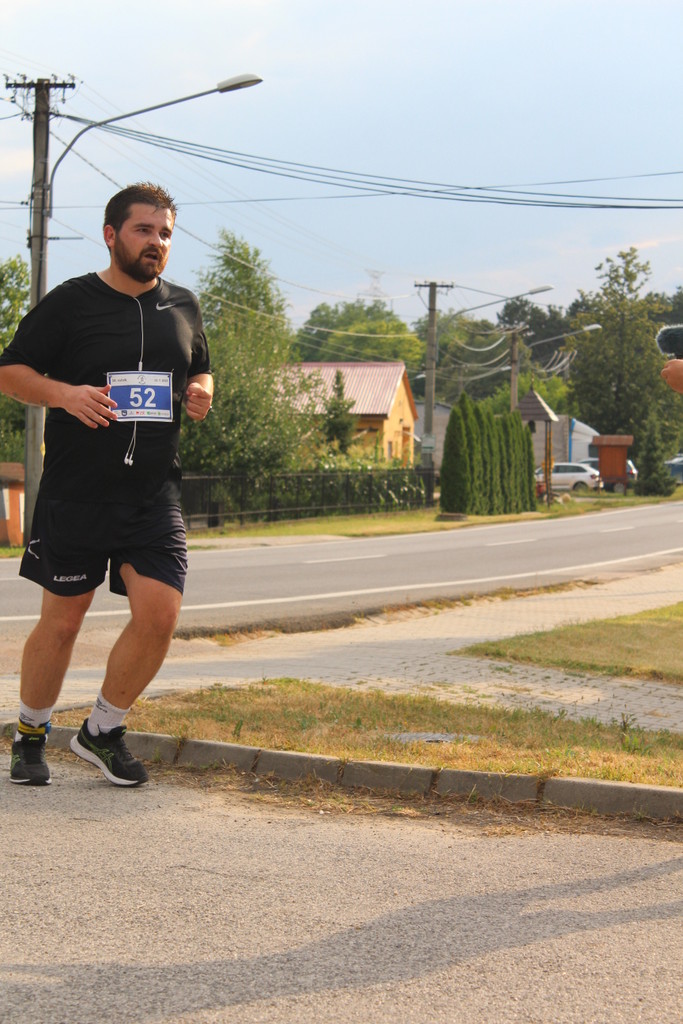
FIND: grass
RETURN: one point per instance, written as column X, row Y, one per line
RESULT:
column 644, row 646
column 359, row 724
column 420, row 520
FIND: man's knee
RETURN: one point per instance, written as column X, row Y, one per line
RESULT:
column 155, row 606
column 158, row 619
column 63, row 617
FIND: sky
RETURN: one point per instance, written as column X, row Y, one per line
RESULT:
column 561, row 97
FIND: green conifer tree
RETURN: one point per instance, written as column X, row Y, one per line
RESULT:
column 509, row 464
column 486, row 459
column 477, row 485
column 456, row 489
column 494, row 445
column 653, row 474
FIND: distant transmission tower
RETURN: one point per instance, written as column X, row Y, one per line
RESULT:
column 375, row 290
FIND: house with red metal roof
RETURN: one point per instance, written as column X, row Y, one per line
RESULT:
column 382, row 399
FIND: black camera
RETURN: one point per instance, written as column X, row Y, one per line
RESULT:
column 670, row 341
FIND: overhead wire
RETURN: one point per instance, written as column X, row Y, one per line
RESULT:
column 216, row 247
column 291, row 227
column 375, row 185
column 193, row 152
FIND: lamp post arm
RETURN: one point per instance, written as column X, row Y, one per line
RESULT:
column 110, row 120
column 495, row 302
column 229, row 85
column 561, row 337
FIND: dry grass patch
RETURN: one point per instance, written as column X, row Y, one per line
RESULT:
column 645, row 646
column 355, row 724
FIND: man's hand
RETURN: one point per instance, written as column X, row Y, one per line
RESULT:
column 197, row 400
column 673, row 374
column 89, row 404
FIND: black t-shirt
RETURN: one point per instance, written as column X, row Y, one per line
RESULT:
column 79, row 332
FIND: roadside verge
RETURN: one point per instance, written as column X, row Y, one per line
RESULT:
column 593, row 795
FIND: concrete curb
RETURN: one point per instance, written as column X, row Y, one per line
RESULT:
column 661, row 802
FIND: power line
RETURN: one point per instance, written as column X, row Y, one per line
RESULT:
column 387, row 185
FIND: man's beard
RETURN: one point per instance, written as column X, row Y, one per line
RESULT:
column 139, row 268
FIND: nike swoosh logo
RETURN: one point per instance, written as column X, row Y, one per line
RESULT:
column 168, row 305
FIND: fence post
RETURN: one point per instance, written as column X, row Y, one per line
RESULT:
column 243, row 497
column 270, row 499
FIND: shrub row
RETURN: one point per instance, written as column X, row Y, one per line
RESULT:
column 488, row 462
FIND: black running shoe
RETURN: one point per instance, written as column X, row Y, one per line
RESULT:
column 28, row 766
column 109, row 753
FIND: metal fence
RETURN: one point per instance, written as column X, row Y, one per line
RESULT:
column 210, row 501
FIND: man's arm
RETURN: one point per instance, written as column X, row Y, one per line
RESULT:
column 91, row 405
column 198, row 396
column 673, row 374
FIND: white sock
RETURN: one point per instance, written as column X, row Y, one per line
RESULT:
column 104, row 716
column 33, row 718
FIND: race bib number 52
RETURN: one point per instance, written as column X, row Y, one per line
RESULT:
column 142, row 395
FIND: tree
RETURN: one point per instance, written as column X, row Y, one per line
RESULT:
column 493, row 457
column 539, row 323
column 671, row 306
column 506, row 460
column 478, row 497
column 653, row 474
column 262, row 418
column 14, row 296
column 467, row 352
column 553, row 390
column 14, row 301
column 615, row 376
column 456, row 485
column 353, row 331
column 338, row 424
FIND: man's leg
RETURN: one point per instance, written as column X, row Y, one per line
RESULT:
column 139, row 652
column 46, row 657
column 48, row 650
column 135, row 659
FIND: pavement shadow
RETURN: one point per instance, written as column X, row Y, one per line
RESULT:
column 412, row 943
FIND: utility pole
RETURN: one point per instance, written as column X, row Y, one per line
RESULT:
column 428, row 438
column 514, row 369
column 37, row 243
column 514, row 364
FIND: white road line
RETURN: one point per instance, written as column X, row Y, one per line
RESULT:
column 505, row 543
column 348, row 558
column 618, row 529
column 402, row 587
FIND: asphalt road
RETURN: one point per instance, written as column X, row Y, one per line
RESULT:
column 314, row 583
column 179, row 905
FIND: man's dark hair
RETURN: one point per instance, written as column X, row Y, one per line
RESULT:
column 118, row 207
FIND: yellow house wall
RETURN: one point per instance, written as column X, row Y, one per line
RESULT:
column 397, row 429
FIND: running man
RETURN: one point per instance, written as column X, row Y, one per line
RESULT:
column 113, row 355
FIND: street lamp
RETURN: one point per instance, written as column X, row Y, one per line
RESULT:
column 41, row 197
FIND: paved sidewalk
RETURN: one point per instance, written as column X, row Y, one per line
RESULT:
column 412, row 651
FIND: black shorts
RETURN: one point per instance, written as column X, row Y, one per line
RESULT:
column 73, row 542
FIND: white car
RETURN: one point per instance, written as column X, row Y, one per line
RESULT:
column 572, row 476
